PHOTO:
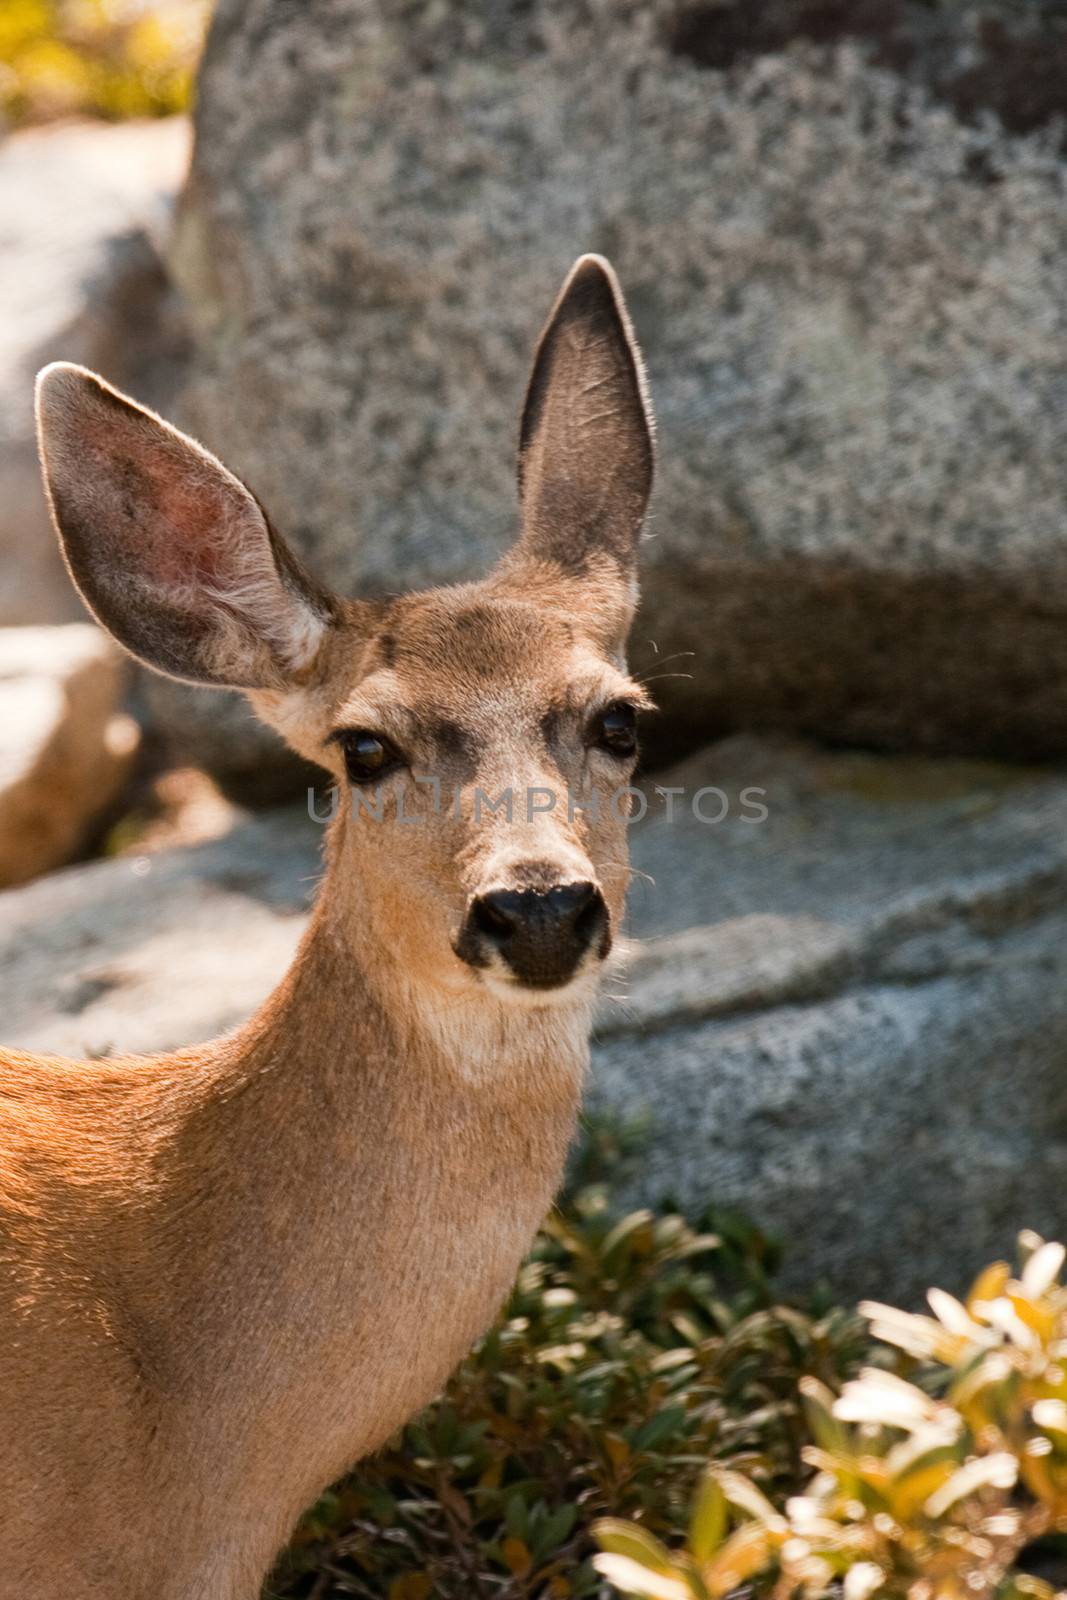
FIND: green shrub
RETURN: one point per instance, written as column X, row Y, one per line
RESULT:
column 924, row 1488
column 630, row 1351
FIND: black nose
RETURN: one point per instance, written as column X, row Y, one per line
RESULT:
column 541, row 934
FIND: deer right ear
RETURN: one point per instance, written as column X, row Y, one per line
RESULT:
column 585, row 445
column 170, row 552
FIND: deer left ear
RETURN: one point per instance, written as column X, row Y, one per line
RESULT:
column 171, row 553
column 585, row 448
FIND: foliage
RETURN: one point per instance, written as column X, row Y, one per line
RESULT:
column 108, row 58
column 630, row 1351
column 925, row 1487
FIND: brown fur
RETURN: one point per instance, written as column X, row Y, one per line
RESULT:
column 228, row 1272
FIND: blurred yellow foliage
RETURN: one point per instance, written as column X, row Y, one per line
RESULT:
column 105, row 58
column 924, row 1490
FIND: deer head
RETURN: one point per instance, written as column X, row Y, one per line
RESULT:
column 482, row 736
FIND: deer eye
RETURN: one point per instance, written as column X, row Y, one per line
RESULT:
column 367, row 755
column 615, row 729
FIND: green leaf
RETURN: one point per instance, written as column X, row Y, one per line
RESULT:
column 559, row 1526
column 628, row 1539
column 708, row 1521
column 517, row 1517
column 825, row 1429
column 743, row 1494
column 632, row 1578
column 658, row 1429
column 624, row 1230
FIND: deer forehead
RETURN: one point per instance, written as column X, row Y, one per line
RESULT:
column 490, row 666
column 471, row 635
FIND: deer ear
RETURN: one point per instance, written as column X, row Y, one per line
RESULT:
column 585, row 445
column 170, row 552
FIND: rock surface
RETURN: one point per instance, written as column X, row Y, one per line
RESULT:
column 66, row 747
column 81, row 205
column 148, row 952
column 849, row 1019
column 850, row 300
column 860, row 1035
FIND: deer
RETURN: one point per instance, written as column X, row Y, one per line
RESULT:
column 229, row 1272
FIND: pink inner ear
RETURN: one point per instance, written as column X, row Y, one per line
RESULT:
column 169, row 550
column 180, row 520
column 200, row 540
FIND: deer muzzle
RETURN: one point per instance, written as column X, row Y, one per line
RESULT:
column 540, row 936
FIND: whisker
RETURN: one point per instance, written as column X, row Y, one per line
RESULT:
column 662, row 661
column 633, row 872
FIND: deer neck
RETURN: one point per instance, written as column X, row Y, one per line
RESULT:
column 369, row 1166
column 359, row 1004
column 354, row 1065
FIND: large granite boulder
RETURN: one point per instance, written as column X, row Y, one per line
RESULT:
column 859, row 1034
column 851, row 301
column 151, row 951
column 848, row 1018
column 67, row 748
column 82, row 209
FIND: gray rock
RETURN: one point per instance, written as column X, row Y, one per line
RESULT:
column 81, row 206
column 851, row 305
column 865, row 1044
column 66, row 747
column 848, row 1019
column 149, row 952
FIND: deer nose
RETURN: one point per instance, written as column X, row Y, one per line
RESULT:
column 541, row 934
